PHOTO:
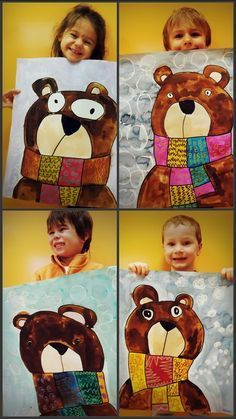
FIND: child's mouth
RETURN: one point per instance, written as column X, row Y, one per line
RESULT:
column 75, row 52
column 58, row 246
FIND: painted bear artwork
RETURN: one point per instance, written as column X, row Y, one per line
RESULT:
column 192, row 119
column 67, row 133
column 73, row 167
column 175, row 344
column 163, row 339
column 180, row 136
column 66, row 360
column 60, row 346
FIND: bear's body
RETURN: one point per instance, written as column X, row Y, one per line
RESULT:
column 68, row 140
column 192, row 119
column 66, row 359
column 163, row 338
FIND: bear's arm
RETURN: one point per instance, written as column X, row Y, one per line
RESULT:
column 125, row 393
column 193, row 398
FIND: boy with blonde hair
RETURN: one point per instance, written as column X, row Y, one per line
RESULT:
column 186, row 29
column 182, row 243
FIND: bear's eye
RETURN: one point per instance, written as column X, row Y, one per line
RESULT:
column 176, row 311
column 208, row 92
column 56, row 102
column 170, row 95
column 76, row 341
column 29, row 343
column 86, row 108
column 147, row 314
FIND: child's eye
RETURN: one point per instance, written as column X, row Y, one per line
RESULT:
column 171, row 244
column 178, row 36
column 187, row 243
column 73, row 35
column 195, row 34
column 87, row 42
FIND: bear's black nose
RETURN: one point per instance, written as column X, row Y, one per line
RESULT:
column 187, row 106
column 168, row 326
column 70, row 125
column 59, row 347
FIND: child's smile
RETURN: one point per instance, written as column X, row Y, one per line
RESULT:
column 78, row 42
column 181, row 247
column 65, row 242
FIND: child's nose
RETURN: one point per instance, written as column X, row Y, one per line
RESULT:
column 56, row 234
column 187, row 39
column 78, row 41
column 178, row 247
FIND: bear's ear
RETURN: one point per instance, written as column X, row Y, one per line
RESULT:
column 80, row 314
column 217, row 73
column 45, row 86
column 20, row 319
column 161, row 73
column 185, row 299
column 144, row 294
column 96, row 88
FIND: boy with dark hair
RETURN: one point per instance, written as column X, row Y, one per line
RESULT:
column 70, row 235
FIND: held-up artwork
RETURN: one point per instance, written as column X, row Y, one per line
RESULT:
column 176, row 344
column 176, row 119
column 62, row 148
column 60, row 346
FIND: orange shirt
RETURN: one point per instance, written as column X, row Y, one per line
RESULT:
column 80, row 263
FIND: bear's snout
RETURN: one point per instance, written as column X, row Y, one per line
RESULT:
column 187, row 106
column 70, row 125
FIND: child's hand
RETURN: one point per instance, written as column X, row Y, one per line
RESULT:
column 8, row 98
column 227, row 273
column 139, row 268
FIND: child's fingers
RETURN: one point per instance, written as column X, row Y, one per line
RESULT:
column 139, row 268
column 8, row 97
column 227, row 273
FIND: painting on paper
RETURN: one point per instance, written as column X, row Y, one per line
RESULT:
column 63, row 132
column 176, row 119
column 60, row 346
column 176, row 344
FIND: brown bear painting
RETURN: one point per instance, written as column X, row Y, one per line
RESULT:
column 66, row 359
column 163, row 339
column 192, row 120
column 68, row 138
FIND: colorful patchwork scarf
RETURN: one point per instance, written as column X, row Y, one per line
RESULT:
column 62, row 177
column 186, row 158
column 160, row 374
column 68, row 392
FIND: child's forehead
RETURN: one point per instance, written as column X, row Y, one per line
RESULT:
column 59, row 223
column 184, row 227
column 181, row 26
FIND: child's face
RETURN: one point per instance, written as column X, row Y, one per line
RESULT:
column 64, row 240
column 181, row 247
column 185, row 37
column 78, row 42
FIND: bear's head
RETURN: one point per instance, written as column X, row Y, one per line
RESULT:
column 165, row 328
column 64, row 341
column 192, row 104
column 70, row 123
